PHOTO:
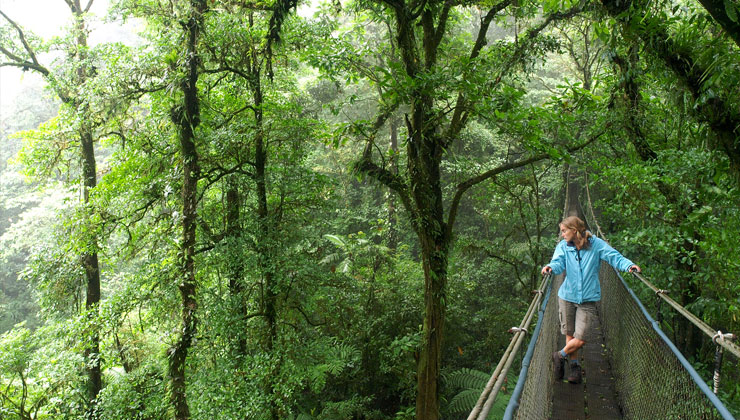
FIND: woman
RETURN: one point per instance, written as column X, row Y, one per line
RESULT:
column 580, row 254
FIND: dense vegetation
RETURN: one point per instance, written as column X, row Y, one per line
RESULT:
column 275, row 210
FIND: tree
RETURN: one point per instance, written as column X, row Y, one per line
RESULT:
column 717, row 110
column 186, row 118
column 438, row 110
column 69, row 86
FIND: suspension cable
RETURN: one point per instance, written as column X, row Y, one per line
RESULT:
column 599, row 232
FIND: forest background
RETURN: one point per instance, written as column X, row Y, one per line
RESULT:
column 277, row 210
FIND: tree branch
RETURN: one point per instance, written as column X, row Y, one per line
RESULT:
column 34, row 64
column 432, row 36
column 460, row 115
column 226, row 121
column 306, row 317
column 481, row 41
column 718, row 11
column 513, row 264
column 366, row 165
column 22, row 66
column 222, row 172
column 416, row 9
column 464, row 186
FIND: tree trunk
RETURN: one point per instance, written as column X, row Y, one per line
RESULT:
column 689, row 337
column 186, row 118
column 92, row 274
column 392, row 237
column 718, row 10
column 264, row 245
column 434, row 256
column 233, row 231
column 425, row 154
column 69, row 96
column 89, row 259
column 628, row 68
column 236, row 267
column 419, row 188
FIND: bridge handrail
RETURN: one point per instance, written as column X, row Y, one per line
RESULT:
column 716, row 336
column 516, row 394
column 488, row 396
column 721, row 409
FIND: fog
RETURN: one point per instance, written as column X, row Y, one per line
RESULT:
column 47, row 19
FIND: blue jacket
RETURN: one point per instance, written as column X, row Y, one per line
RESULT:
column 581, row 282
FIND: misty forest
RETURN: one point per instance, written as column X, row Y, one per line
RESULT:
column 248, row 209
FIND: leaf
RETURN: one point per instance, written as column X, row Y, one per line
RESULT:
column 464, row 401
column 468, row 379
column 731, row 10
column 336, row 240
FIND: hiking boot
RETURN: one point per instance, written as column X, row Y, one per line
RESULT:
column 558, row 365
column 574, row 375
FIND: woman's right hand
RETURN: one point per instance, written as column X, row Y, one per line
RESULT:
column 546, row 270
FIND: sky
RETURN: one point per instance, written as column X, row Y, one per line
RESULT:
column 45, row 18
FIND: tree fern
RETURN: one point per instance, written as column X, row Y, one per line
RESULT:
column 472, row 382
column 464, row 401
column 467, row 379
column 336, row 359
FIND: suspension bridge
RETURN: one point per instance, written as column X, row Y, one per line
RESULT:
column 632, row 370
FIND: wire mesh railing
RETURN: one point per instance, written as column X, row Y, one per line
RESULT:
column 722, row 342
column 490, row 392
column 532, row 396
column 652, row 378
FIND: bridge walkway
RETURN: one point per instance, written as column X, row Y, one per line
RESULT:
column 595, row 397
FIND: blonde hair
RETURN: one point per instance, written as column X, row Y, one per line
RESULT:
column 582, row 235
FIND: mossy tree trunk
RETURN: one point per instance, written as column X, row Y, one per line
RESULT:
column 186, row 118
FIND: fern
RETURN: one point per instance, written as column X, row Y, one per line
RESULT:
column 472, row 382
column 336, row 359
column 468, row 379
column 464, row 401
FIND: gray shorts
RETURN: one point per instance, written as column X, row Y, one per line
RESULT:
column 576, row 320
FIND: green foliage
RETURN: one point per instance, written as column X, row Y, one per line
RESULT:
column 471, row 383
column 311, row 293
column 134, row 395
column 49, row 151
column 40, row 374
column 467, row 379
